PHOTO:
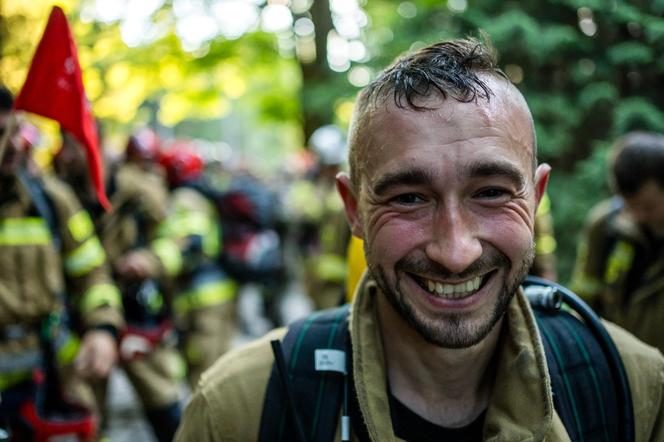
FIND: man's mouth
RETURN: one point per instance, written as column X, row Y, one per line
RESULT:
column 452, row 290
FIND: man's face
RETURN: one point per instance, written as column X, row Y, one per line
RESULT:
column 647, row 207
column 446, row 208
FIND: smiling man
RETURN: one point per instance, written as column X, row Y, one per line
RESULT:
column 442, row 343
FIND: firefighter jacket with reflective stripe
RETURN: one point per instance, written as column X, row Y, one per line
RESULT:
column 188, row 244
column 139, row 203
column 36, row 275
column 230, row 396
column 621, row 273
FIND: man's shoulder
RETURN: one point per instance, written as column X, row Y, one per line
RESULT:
column 634, row 350
column 241, row 371
column 228, row 402
column 645, row 371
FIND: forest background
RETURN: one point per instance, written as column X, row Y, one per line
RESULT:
column 254, row 78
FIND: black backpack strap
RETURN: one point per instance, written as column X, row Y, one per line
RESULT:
column 591, row 393
column 579, row 378
column 318, row 394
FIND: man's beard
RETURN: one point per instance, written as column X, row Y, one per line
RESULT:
column 453, row 330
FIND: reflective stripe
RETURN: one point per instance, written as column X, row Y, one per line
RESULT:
column 169, row 254
column 586, row 286
column 66, row 347
column 331, row 268
column 182, row 224
column 24, row 231
column 80, row 226
column 9, row 379
column 212, row 242
column 100, row 295
column 206, row 294
column 545, row 244
column 619, row 262
column 86, row 257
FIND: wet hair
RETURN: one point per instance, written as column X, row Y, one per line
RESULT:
column 636, row 159
column 6, row 99
column 451, row 69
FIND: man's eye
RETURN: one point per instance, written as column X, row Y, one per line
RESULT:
column 491, row 193
column 408, row 198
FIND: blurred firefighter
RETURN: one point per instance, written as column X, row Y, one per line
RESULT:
column 620, row 261
column 51, row 259
column 322, row 231
column 139, row 199
column 189, row 239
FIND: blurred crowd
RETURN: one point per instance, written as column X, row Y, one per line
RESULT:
column 153, row 282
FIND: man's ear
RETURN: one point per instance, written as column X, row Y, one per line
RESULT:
column 541, row 180
column 347, row 193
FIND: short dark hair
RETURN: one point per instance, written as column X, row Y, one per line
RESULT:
column 449, row 68
column 6, row 99
column 637, row 158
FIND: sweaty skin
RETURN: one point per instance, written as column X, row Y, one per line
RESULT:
column 446, row 207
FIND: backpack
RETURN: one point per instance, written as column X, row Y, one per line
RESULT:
column 248, row 213
column 308, row 384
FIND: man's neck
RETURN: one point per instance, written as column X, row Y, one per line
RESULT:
column 449, row 387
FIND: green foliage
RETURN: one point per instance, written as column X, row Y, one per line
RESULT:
column 637, row 113
column 630, row 52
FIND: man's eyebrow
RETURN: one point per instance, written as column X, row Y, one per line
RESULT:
column 404, row 177
column 483, row 169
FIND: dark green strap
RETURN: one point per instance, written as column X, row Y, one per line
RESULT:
column 318, row 394
column 580, row 378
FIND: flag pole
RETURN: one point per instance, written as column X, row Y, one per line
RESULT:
column 9, row 129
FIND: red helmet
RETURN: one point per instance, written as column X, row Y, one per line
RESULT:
column 143, row 145
column 182, row 162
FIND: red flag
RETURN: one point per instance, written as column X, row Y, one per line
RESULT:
column 54, row 89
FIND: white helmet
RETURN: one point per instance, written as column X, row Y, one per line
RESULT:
column 329, row 143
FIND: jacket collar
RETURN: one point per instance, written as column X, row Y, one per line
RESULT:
column 521, row 405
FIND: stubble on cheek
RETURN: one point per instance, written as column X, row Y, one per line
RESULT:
column 451, row 330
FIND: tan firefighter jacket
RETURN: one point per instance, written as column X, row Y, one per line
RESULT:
column 608, row 252
column 36, row 276
column 229, row 398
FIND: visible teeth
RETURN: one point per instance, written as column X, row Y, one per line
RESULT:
column 453, row 291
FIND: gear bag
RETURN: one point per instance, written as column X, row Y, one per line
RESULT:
column 308, row 387
column 248, row 213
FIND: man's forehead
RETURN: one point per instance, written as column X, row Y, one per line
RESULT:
column 505, row 111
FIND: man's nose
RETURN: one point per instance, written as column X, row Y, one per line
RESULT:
column 454, row 243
